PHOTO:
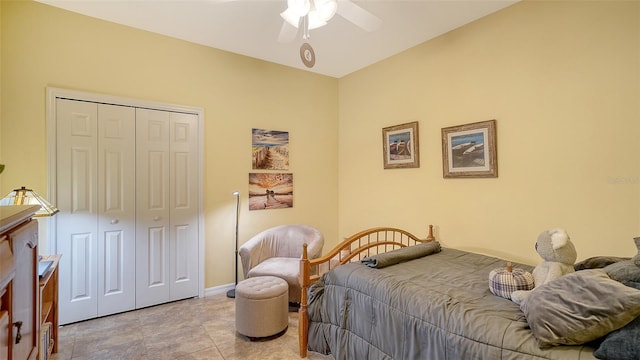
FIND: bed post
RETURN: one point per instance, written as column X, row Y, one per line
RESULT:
column 430, row 237
column 303, row 316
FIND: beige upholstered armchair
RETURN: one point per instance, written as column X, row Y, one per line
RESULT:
column 277, row 252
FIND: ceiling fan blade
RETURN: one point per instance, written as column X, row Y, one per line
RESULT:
column 288, row 33
column 359, row 16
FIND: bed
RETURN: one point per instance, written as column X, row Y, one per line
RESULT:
column 436, row 306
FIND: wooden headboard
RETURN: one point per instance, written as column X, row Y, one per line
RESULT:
column 355, row 248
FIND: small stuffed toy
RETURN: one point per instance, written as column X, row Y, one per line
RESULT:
column 559, row 255
column 504, row 281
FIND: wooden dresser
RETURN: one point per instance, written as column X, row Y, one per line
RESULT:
column 49, row 308
column 19, row 283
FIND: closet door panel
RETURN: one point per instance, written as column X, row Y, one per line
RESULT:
column 156, row 256
column 113, row 282
column 82, row 281
column 182, row 271
column 116, row 204
column 184, row 206
column 77, row 225
column 152, row 207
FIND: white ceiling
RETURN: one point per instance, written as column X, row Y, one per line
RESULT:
column 252, row 27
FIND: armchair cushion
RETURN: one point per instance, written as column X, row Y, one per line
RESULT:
column 287, row 269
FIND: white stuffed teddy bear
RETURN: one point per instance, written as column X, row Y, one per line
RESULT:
column 559, row 255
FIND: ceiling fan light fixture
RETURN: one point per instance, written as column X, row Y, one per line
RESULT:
column 325, row 9
column 299, row 7
column 315, row 21
column 290, row 17
column 318, row 12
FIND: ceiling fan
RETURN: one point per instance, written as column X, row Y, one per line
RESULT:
column 305, row 15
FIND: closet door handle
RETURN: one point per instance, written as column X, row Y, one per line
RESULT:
column 114, row 221
column 157, row 218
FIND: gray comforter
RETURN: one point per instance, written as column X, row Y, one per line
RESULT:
column 435, row 307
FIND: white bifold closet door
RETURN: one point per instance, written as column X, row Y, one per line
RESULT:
column 96, row 196
column 127, row 229
column 167, row 206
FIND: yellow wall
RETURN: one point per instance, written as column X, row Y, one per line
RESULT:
column 562, row 80
column 45, row 46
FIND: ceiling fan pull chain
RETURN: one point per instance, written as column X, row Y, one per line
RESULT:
column 305, row 24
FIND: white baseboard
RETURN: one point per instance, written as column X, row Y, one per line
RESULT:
column 216, row 290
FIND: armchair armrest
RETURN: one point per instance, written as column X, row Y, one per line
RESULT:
column 250, row 254
column 314, row 248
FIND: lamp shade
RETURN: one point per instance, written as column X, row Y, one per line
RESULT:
column 24, row 196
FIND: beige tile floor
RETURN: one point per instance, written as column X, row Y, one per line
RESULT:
column 184, row 330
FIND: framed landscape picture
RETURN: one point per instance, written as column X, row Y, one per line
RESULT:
column 400, row 146
column 470, row 151
column 270, row 191
column 270, row 149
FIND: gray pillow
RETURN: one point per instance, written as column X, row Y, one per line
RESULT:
column 625, row 270
column 579, row 307
column 598, row 262
column 622, row 344
column 403, row 254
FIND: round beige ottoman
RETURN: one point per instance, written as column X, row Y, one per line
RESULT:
column 262, row 306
